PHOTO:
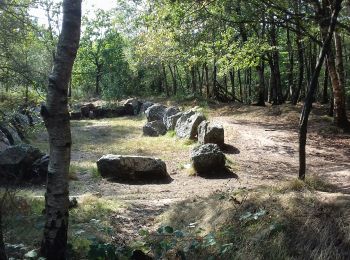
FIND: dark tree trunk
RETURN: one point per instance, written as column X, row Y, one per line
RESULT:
column 340, row 117
column 207, row 80
column 165, row 81
column 240, row 85
column 3, row 255
column 174, row 79
column 56, row 118
column 232, row 78
column 290, row 65
column 296, row 94
column 261, row 87
column 193, row 80
column 325, row 98
column 330, row 27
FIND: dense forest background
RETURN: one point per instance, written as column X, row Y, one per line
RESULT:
column 242, row 51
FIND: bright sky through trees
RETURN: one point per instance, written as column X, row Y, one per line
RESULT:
column 89, row 6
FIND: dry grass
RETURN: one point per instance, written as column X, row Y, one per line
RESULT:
column 266, row 225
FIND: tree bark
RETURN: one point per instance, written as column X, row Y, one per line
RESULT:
column 313, row 86
column 261, row 87
column 3, row 255
column 325, row 98
column 165, row 81
column 56, row 118
column 340, row 117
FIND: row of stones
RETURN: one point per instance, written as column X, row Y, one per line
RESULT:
column 19, row 161
column 190, row 124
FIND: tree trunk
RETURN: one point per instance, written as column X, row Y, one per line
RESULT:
column 313, row 86
column 174, row 80
column 340, row 117
column 56, row 118
column 3, row 255
column 261, row 87
column 207, row 80
column 165, row 81
column 325, row 86
column 232, row 79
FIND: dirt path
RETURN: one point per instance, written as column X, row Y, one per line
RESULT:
column 264, row 154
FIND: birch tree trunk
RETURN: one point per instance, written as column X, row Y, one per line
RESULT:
column 56, row 118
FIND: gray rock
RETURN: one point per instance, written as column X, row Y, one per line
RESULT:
column 135, row 103
column 170, row 111
column 85, row 109
column 187, row 124
column 208, row 159
column 11, row 133
column 16, row 162
column 155, row 128
column 211, row 133
column 155, row 112
column 170, row 122
column 145, row 105
column 40, row 167
column 132, row 168
column 4, row 142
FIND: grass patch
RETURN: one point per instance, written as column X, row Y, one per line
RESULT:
column 255, row 225
column 311, row 183
column 89, row 222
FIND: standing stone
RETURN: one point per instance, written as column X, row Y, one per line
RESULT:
column 155, row 128
column 208, row 159
column 187, row 124
column 16, row 162
column 210, row 133
column 4, row 142
column 11, row 133
column 85, row 109
column 135, row 103
column 155, row 112
column 145, row 105
column 132, row 168
column 170, row 122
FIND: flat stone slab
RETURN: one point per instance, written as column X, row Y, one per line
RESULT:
column 132, row 168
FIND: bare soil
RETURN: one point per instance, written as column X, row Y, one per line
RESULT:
column 263, row 152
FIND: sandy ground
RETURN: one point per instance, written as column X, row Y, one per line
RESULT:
column 264, row 151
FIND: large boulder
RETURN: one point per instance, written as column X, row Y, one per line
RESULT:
column 103, row 112
column 135, row 103
column 145, row 105
column 155, row 128
column 187, row 124
column 16, row 162
column 4, row 142
column 211, row 133
column 170, row 111
column 76, row 115
column 85, row 109
column 170, row 121
column 132, row 168
column 11, row 133
column 40, row 167
column 208, row 159
column 155, row 112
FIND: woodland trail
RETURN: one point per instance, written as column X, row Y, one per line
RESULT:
column 261, row 154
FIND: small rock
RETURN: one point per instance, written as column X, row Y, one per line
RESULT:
column 208, row 159
column 155, row 128
column 145, row 105
column 170, row 121
column 155, row 112
column 4, row 142
column 16, row 162
column 187, row 124
column 211, row 133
